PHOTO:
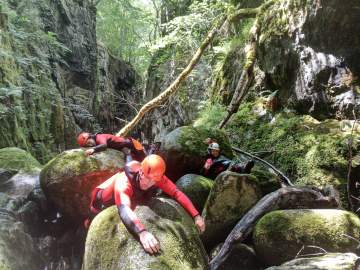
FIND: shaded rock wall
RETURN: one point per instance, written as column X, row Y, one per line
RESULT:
column 54, row 81
column 308, row 51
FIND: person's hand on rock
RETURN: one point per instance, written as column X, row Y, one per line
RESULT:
column 200, row 223
column 89, row 152
column 149, row 242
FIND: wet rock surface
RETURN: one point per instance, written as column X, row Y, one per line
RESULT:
column 230, row 198
column 196, row 187
column 69, row 179
column 280, row 235
column 110, row 246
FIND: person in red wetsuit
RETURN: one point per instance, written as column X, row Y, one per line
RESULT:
column 100, row 142
column 133, row 185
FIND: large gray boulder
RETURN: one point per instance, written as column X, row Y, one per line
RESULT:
column 230, row 198
column 110, row 246
column 280, row 235
column 184, row 149
column 69, row 178
column 330, row 261
column 196, row 187
column 320, row 44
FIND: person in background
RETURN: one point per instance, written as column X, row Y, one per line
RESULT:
column 99, row 142
column 134, row 185
column 216, row 162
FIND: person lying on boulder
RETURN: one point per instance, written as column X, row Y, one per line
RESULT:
column 137, row 183
column 100, row 142
column 216, row 163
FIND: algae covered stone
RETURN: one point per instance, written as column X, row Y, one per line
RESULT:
column 196, row 187
column 330, row 261
column 110, row 246
column 184, row 149
column 280, row 235
column 231, row 197
column 19, row 172
column 13, row 158
column 69, row 178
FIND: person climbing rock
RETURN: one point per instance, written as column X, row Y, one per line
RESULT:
column 100, row 142
column 136, row 184
column 216, row 163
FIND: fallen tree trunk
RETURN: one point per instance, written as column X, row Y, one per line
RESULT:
column 283, row 198
column 284, row 180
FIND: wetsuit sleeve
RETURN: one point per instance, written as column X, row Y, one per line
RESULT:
column 123, row 193
column 171, row 189
column 100, row 147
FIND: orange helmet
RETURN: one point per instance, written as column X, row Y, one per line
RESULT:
column 153, row 167
column 82, row 138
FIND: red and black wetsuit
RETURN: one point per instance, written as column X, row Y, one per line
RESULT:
column 217, row 166
column 123, row 190
column 104, row 141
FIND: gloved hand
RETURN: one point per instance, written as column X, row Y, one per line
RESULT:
column 87, row 223
column 89, row 152
column 208, row 163
column 126, row 151
column 200, row 223
column 149, row 242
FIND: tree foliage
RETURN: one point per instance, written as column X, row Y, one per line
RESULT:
column 127, row 28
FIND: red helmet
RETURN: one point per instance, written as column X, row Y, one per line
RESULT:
column 153, row 167
column 82, row 138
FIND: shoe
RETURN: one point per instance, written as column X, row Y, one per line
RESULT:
column 248, row 166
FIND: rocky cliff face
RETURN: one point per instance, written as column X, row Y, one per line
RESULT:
column 308, row 51
column 54, row 79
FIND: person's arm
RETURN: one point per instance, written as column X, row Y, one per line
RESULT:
column 123, row 192
column 101, row 145
column 171, row 189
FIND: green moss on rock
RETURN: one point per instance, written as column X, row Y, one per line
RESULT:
column 309, row 151
column 110, row 246
column 330, row 261
column 280, row 235
column 12, row 158
column 230, row 198
column 196, row 187
column 184, row 149
column 70, row 177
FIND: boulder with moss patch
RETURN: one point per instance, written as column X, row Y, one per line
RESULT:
column 231, row 197
column 184, row 149
column 110, row 246
column 196, row 187
column 280, row 235
column 69, row 178
column 19, row 172
column 330, row 261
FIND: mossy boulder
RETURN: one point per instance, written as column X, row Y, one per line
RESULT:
column 110, row 246
column 19, row 172
column 230, row 198
column 241, row 256
column 330, row 261
column 184, row 149
column 280, row 235
column 196, row 187
column 16, row 159
column 69, row 178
